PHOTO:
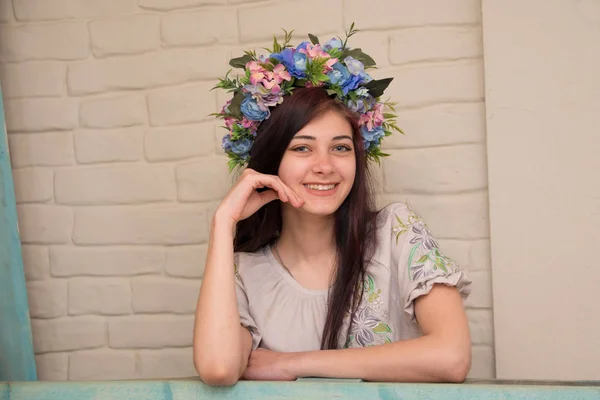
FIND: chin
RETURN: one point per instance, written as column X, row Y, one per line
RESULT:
column 320, row 208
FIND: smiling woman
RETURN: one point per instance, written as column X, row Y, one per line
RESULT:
column 304, row 277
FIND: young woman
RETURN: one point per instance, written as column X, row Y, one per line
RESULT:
column 303, row 276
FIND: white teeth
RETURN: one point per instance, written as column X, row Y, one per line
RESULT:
column 320, row 187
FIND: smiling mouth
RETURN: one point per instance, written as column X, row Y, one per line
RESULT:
column 320, row 187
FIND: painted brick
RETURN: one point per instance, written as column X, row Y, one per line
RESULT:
column 481, row 294
column 45, row 224
column 72, row 333
column 150, row 331
column 146, row 71
column 202, row 180
column 305, row 19
column 205, row 27
column 6, row 11
column 168, row 225
column 103, row 146
column 41, row 149
column 39, row 10
column 52, row 366
column 106, row 261
column 181, row 105
column 482, row 363
column 481, row 325
column 99, row 296
column 457, row 216
column 165, row 295
column 50, row 114
column 159, row 364
column 439, row 125
column 435, row 43
column 436, row 170
column 114, row 112
column 436, row 83
column 115, row 185
column 33, row 79
column 472, row 255
column 376, row 44
column 180, row 142
column 36, row 262
column 125, row 35
column 186, row 261
column 403, row 13
column 47, row 299
column 101, row 365
column 167, row 5
column 56, row 41
column 33, row 185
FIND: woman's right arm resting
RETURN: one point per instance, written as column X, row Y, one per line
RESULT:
column 221, row 344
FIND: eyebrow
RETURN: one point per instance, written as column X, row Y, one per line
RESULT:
column 307, row 137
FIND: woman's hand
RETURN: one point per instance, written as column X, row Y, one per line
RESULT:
column 243, row 199
column 266, row 365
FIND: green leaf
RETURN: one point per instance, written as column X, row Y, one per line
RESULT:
column 423, row 259
column 240, row 62
column 382, row 328
column 377, row 87
column 236, row 105
column 313, row 38
column 358, row 54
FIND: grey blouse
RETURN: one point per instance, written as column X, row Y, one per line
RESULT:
column 284, row 316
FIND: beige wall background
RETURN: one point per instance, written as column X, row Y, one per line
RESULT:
column 543, row 101
column 118, row 168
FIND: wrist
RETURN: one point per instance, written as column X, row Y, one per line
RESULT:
column 295, row 365
column 223, row 222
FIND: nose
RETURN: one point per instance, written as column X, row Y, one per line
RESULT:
column 323, row 164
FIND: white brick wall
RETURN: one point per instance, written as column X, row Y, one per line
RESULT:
column 118, row 166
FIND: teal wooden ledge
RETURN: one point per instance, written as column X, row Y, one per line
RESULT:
column 305, row 389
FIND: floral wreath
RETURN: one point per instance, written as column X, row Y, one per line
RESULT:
column 268, row 79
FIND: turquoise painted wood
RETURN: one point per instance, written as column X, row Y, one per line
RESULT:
column 16, row 349
column 313, row 390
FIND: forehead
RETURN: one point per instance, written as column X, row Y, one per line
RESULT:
column 327, row 126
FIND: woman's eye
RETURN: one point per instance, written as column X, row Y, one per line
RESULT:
column 342, row 148
column 300, row 149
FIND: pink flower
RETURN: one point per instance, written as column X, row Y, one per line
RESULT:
column 229, row 122
column 314, row 51
column 246, row 123
column 373, row 118
column 269, row 79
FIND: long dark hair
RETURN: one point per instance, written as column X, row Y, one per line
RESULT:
column 354, row 219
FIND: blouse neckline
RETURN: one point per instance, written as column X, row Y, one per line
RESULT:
column 287, row 276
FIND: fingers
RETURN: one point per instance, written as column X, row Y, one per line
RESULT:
column 284, row 192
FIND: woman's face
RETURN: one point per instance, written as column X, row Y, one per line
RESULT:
column 319, row 164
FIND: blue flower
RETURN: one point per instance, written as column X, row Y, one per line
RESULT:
column 226, row 143
column 302, row 45
column 241, row 147
column 252, row 110
column 294, row 62
column 333, row 43
column 341, row 77
column 363, row 103
column 371, row 137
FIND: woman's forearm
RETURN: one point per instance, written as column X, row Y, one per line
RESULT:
column 219, row 339
column 426, row 359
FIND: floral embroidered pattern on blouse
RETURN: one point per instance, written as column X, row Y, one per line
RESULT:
column 425, row 258
column 368, row 326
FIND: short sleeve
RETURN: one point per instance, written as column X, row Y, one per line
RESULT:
column 421, row 262
column 243, row 307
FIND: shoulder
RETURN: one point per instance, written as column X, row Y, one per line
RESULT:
column 245, row 262
column 396, row 214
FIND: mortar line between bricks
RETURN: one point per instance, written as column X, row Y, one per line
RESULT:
column 435, row 146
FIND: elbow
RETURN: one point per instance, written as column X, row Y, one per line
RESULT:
column 216, row 373
column 458, row 366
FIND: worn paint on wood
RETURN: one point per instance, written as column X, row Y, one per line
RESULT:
column 16, row 349
column 313, row 390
